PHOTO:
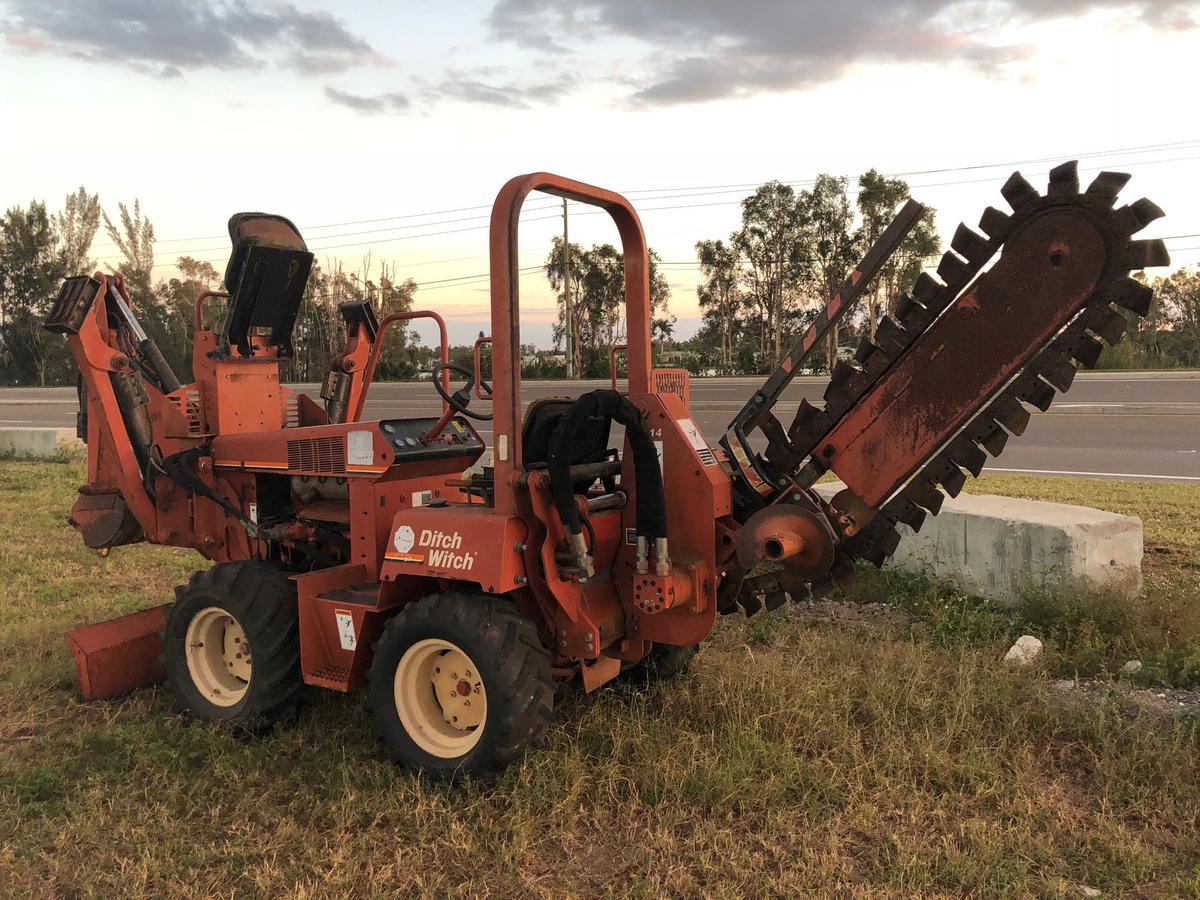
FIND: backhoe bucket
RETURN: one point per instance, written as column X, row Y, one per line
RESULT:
column 120, row 655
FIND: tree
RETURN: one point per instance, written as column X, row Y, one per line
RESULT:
column 878, row 198
column 831, row 242
column 598, row 302
column 76, row 227
column 720, row 293
column 31, row 271
column 772, row 242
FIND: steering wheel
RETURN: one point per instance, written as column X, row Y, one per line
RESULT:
column 461, row 398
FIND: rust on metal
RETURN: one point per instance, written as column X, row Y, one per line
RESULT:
column 121, row 655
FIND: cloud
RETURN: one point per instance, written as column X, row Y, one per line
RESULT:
column 168, row 36
column 482, row 86
column 373, row 104
column 714, row 49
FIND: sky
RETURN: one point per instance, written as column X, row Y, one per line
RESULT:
column 388, row 128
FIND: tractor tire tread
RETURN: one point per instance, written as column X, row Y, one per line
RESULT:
column 520, row 693
column 264, row 603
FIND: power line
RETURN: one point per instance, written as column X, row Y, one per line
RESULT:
column 676, row 193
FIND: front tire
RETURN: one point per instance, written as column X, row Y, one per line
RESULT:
column 231, row 647
column 460, row 684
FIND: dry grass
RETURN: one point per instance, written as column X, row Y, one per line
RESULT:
column 796, row 760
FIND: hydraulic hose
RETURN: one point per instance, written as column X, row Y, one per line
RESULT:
column 651, row 498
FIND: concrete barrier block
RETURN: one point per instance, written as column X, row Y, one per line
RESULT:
column 1001, row 547
column 38, row 443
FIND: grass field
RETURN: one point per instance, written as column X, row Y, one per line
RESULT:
column 797, row 759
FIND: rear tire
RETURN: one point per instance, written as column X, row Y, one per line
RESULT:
column 460, row 684
column 231, row 647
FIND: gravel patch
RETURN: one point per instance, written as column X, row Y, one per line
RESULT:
column 1170, row 703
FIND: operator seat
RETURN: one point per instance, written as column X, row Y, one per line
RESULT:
column 266, row 277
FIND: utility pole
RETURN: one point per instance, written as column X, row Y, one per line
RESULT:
column 570, row 322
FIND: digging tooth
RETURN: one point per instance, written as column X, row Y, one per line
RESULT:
column 924, row 492
column 804, row 414
column 1107, row 185
column 841, row 373
column 1037, row 393
column 1008, row 411
column 1088, row 351
column 1133, row 218
column 969, row 456
column 904, row 306
column 887, row 544
column 926, row 288
column 1059, row 372
column 1146, row 254
column 910, row 514
column 995, row 440
column 1064, row 180
column 1017, row 191
column 995, row 224
column 951, row 478
column 1111, row 327
column 970, row 244
column 953, row 269
column 775, row 599
column 1132, row 295
column 891, row 332
column 914, row 317
column 865, row 348
column 750, row 603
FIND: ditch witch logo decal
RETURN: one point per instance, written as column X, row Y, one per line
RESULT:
column 441, row 546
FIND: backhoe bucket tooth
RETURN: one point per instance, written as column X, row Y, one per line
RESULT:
column 995, row 224
column 953, row 269
column 970, row 244
column 1088, row 352
column 1064, row 180
column 1107, row 185
column 995, row 440
column 1017, row 191
column 1037, row 393
column 1133, row 296
column 1058, row 372
column 1112, row 328
column 1010, row 413
column 1146, row 254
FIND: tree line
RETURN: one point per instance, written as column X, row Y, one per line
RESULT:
column 759, row 289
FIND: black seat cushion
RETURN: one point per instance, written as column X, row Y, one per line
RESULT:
column 266, row 276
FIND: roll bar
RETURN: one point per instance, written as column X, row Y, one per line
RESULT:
column 377, row 347
column 506, row 307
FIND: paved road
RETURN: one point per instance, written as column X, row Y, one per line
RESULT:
column 1142, row 425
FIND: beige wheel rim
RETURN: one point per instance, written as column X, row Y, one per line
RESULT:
column 440, row 698
column 218, row 656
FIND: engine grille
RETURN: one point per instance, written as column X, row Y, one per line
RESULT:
column 327, row 454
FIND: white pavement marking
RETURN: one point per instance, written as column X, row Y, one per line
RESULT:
column 1099, row 474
